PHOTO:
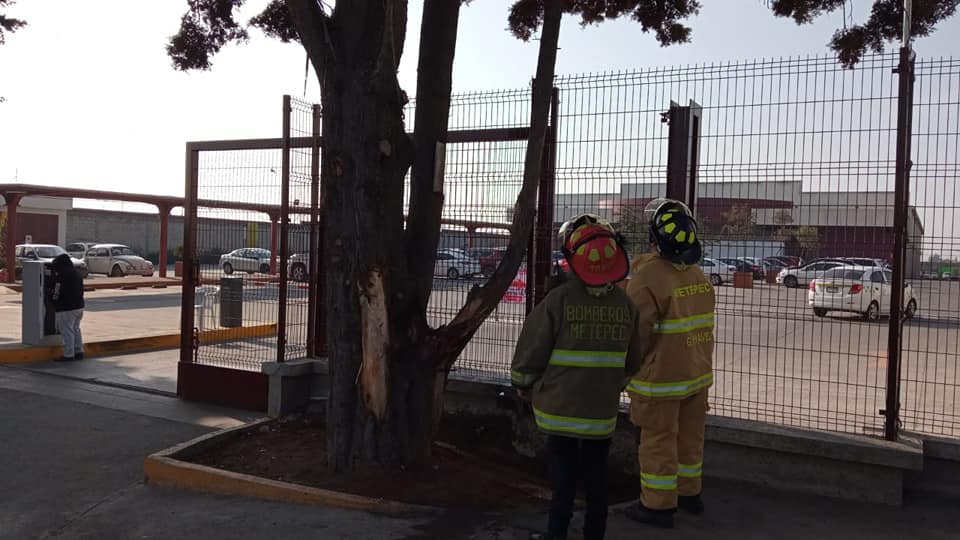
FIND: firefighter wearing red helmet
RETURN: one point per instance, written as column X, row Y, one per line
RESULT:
column 572, row 360
column 668, row 393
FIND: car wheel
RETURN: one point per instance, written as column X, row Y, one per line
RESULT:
column 819, row 312
column 227, row 268
column 488, row 270
column 791, row 282
column 116, row 271
column 873, row 312
column 453, row 273
column 264, row 269
column 716, row 280
column 298, row 272
column 911, row 309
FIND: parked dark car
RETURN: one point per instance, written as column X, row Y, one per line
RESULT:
column 744, row 266
column 787, row 261
column 490, row 260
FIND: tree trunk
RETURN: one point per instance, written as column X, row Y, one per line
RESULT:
column 388, row 369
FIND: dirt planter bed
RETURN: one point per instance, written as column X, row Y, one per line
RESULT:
column 236, row 461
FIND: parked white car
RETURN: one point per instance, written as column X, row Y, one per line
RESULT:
column 455, row 265
column 801, row 277
column 116, row 260
column 249, row 260
column 718, row 272
column 866, row 290
column 44, row 253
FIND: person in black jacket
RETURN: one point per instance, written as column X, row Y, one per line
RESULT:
column 68, row 302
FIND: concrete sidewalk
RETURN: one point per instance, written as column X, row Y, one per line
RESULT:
column 109, row 315
column 71, row 467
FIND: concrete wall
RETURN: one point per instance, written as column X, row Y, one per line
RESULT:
column 139, row 231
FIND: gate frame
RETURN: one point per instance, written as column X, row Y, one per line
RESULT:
column 217, row 384
column 249, row 389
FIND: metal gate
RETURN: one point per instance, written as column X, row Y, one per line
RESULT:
column 252, row 283
column 251, row 237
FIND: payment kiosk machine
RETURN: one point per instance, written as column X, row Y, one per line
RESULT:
column 38, row 321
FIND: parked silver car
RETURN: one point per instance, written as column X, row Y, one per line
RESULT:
column 78, row 250
column 249, row 260
column 455, row 265
column 298, row 267
column 117, row 260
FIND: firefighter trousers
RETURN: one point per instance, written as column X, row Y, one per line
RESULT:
column 671, row 448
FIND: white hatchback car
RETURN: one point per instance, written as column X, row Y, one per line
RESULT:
column 718, row 272
column 866, row 290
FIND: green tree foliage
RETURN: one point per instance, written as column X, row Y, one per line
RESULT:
column 884, row 24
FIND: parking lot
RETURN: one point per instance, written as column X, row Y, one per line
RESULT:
column 775, row 360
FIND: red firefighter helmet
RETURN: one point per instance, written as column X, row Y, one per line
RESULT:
column 594, row 250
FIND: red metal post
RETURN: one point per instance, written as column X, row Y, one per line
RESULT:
column 13, row 201
column 191, row 266
column 164, row 229
column 274, row 236
column 471, row 237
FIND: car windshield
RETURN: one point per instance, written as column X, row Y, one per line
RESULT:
column 260, row 253
column 843, row 273
column 122, row 252
column 48, row 252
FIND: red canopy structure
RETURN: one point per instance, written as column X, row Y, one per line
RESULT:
column 13, row 194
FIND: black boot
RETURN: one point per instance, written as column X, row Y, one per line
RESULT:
column 656, row 518
column 691, row 503
column 78, row 356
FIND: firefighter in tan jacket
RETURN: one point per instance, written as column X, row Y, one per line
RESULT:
column 668, row 394
column 571, row 359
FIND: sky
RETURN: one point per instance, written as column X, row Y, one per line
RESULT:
column 92, row 100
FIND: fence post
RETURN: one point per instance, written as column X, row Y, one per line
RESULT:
column 284, row 234
column 191, row 266
column 683, row 153
column 314, row 336
column 901, row 205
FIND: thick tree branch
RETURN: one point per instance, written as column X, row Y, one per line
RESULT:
column 313, row 27
column 481, row 301
column 438, row 40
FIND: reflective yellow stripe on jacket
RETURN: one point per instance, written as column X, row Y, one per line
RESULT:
column 600, row 359
column 590, row 427
column 670, row 389
column 523, row 380
column 684, row 325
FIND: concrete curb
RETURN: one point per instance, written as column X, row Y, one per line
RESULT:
column 26, row 355
column 88, row 286
column 165, row 469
